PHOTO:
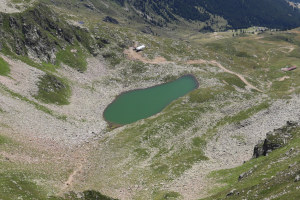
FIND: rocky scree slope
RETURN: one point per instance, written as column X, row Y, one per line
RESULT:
column 273, row 173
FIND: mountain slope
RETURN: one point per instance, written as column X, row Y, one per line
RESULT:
column 62, row 65
column 39, row 33
column 239, row 13
column 269, row 13
column 274, row 176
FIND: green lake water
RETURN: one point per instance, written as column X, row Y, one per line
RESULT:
column 139, row 104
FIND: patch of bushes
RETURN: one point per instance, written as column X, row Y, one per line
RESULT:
column 112, row 58
column 231, row 79
column 198, row 142
column 242, row 54
column 86, row 195
column 164, row 195
column 169, row 78
column 138, row 68
column 53, row 90
column 202, row 95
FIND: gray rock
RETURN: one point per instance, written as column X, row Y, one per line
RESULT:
column 147, row 30
column 241, row 176
column 232, row 192
column 245, row 174
column 110, row 20
column 274, row 140
column 89, row 6
column 292, row 165
column 297, row 178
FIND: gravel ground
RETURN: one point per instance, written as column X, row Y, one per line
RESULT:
column 8, row 7
column 225, row 152
column 22, row 78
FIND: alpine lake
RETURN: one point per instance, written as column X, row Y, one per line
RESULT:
column 138, row 104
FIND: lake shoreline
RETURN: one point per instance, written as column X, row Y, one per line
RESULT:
column 116, row 125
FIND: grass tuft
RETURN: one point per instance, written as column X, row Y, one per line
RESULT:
column 4, row 67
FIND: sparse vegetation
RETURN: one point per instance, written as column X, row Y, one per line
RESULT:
column 166, row 195
column 74, row 57
column 242, row 115
column 138, row 68
column 36, row 105
column 15, row 186
column 86, row 195
column 112, row 58
column 53, row 90
column 4, row 67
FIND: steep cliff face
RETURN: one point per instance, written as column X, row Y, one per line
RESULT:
column 40, row 34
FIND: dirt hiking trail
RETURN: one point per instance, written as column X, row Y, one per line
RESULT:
column 72, row 177
column 133, row 55
column 213, row 62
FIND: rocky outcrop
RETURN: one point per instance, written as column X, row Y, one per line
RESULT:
column 147, row 30
column 232, row 192
column 110, row 20
column 206, row 29
column 246, row 174
column 275, row 139
column 40, row 33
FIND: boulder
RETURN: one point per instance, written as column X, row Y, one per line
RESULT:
column 147, row 30
column 110, row 20
column 232, row 192
column 245, row 174
column 297, row 178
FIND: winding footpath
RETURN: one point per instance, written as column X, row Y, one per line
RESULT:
column 213, row 62
column 71, row 179
column 133, row 55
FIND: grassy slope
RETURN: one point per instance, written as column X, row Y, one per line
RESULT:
column 75, row 59
column 263, row 61
column 28, row 173
column 18, row 177
column 272, row 175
